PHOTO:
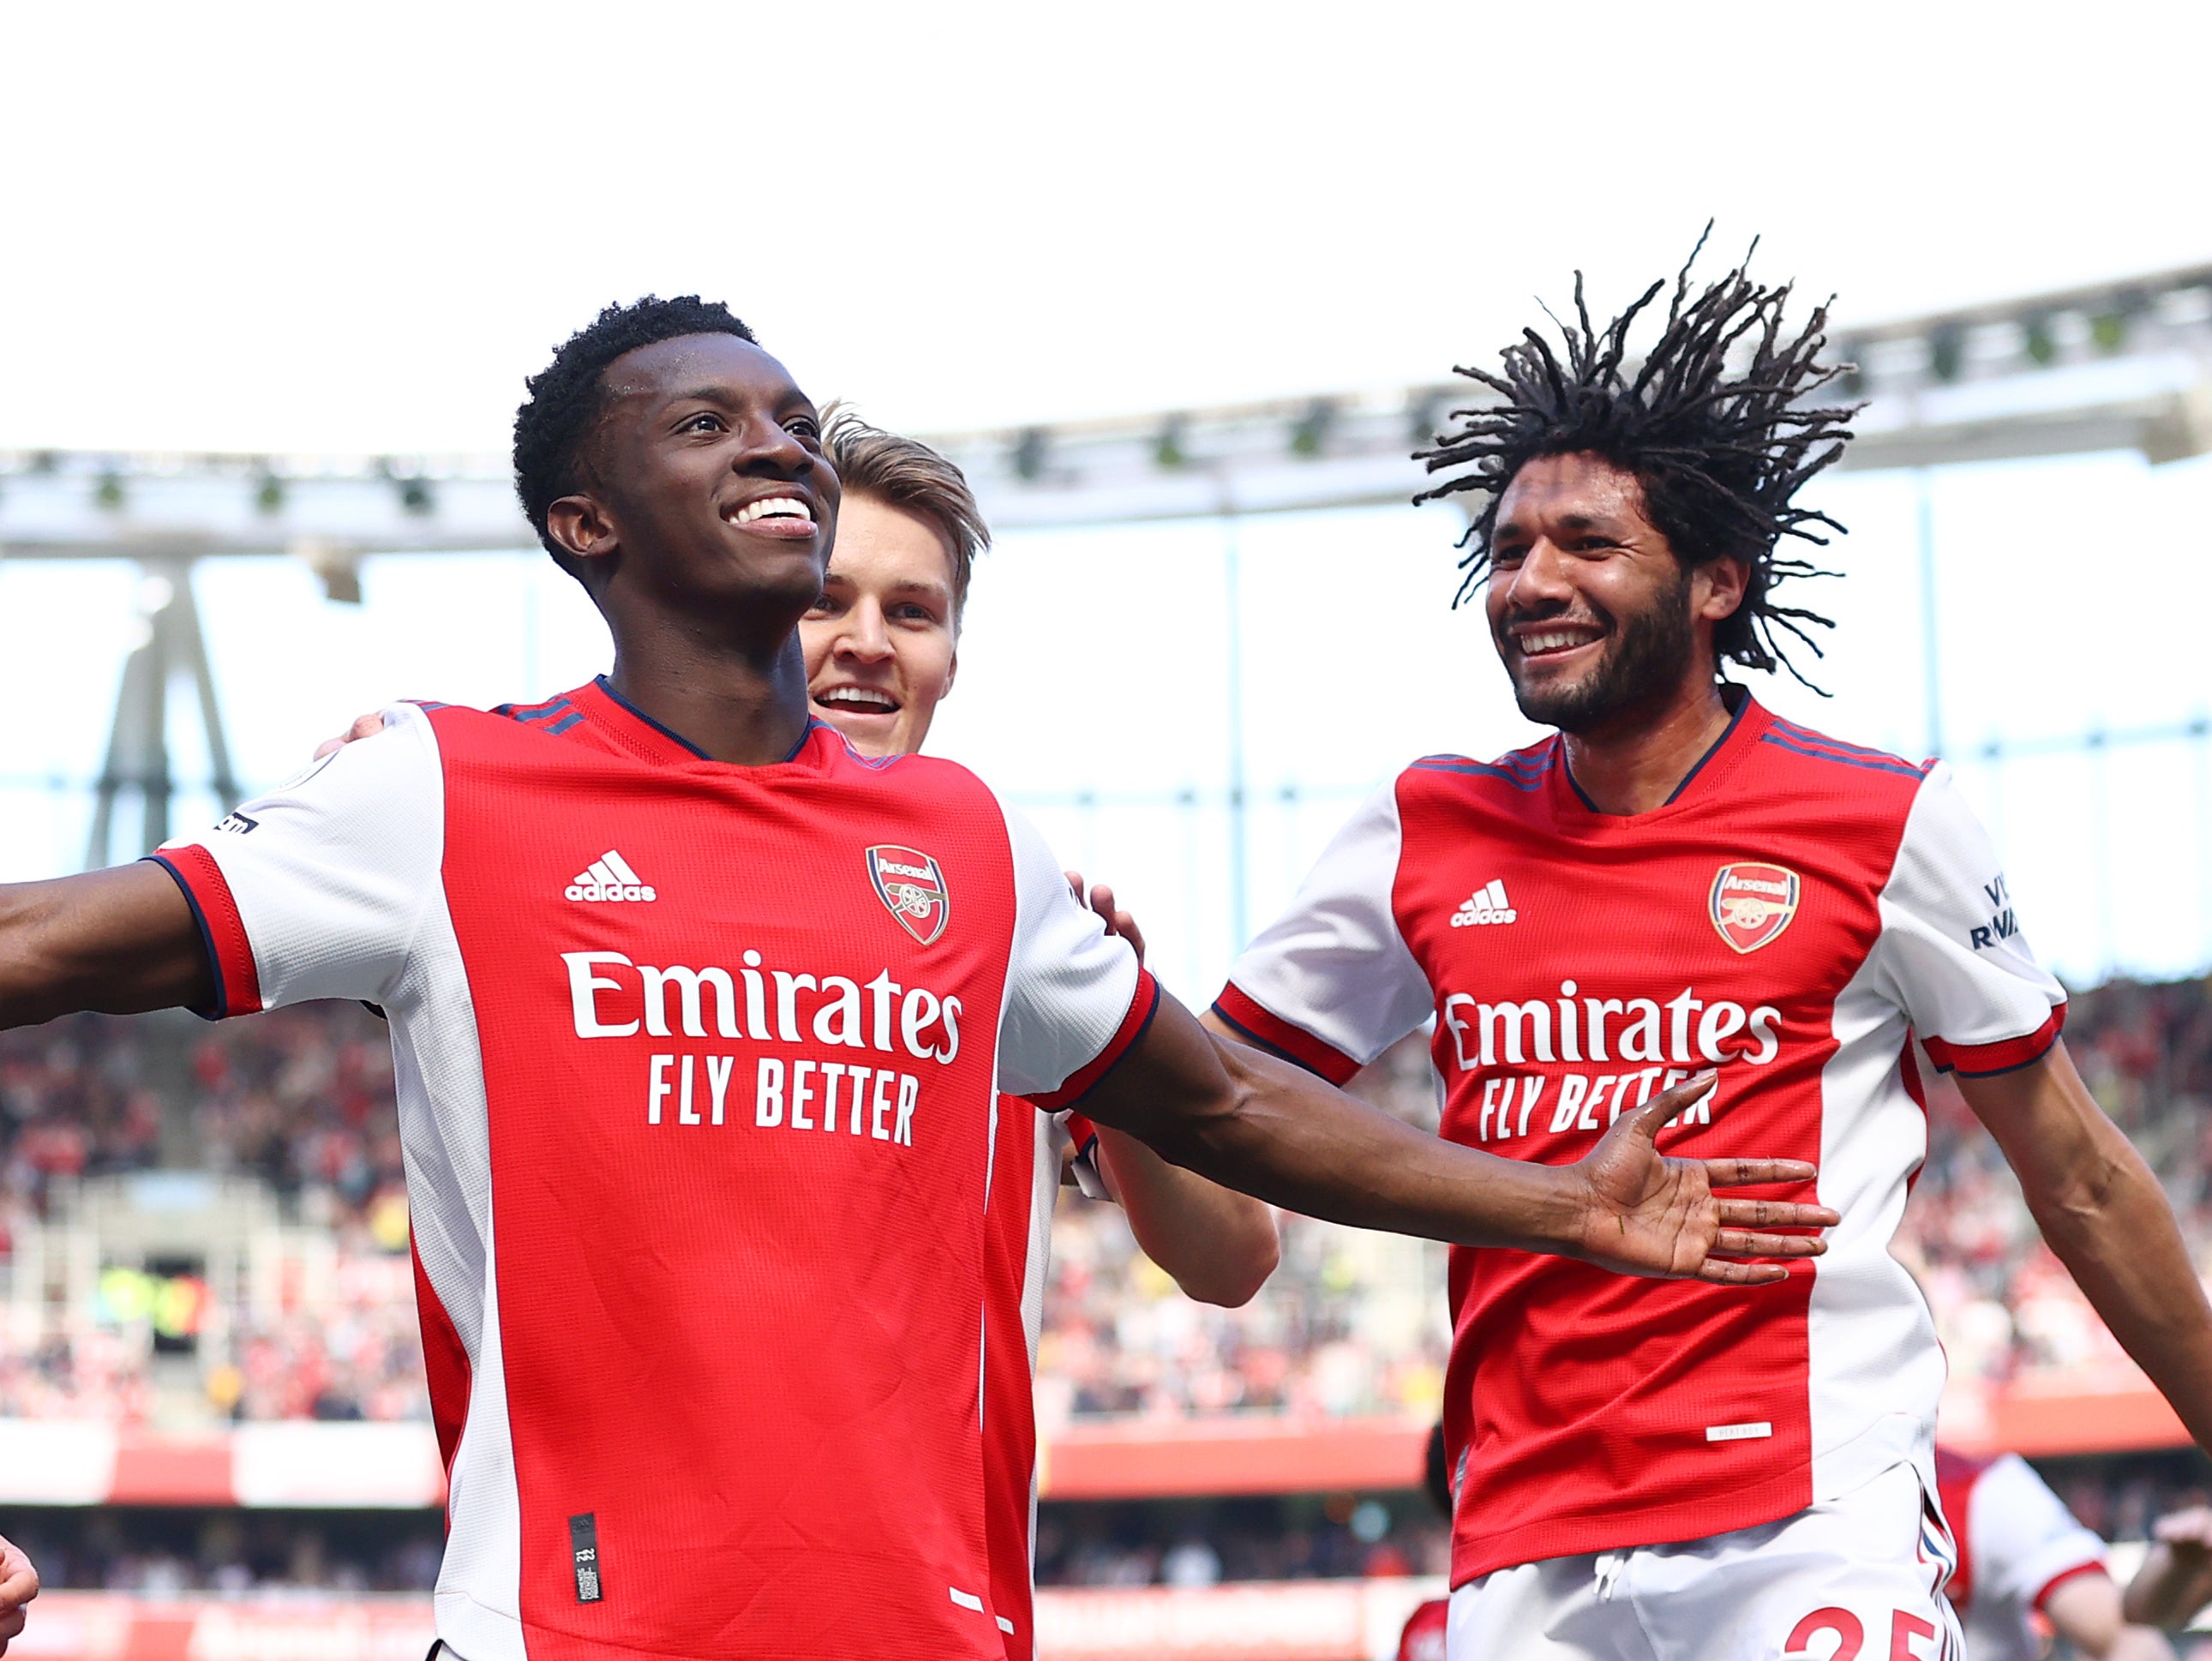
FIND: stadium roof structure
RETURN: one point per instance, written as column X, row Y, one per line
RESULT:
column 2125, row 365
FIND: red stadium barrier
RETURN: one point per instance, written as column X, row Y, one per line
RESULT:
column 309, row 1465
column 2053, row 1419
column 90, row 1626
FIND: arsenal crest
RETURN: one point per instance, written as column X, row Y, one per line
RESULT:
column 911, row 886
column 1752, row 903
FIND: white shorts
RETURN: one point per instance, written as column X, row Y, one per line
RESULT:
column 1854, row 1579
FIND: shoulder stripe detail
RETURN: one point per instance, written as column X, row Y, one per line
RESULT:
column 1874, row 761
column 540, row 714
column 574, row 718
column 1980, row 1061
column 1517, row 778
column 1806, row 735
column 222, row 931
column 1271, row 1032
column 426, row 705
column 1533, row 760
column 530, row 711
column 1142, row 1008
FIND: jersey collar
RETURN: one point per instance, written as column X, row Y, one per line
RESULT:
column 638, row 733
column 1748, row 719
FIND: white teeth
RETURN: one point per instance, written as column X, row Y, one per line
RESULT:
column 772, row 506
column 1553, row 641
column 860, row 698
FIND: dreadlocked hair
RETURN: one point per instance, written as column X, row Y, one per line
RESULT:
column 1718, row 452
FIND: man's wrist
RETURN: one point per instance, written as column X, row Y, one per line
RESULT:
column 1557, row 1213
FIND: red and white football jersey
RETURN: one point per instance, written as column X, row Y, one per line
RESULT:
column 2017, row 1543
column 698, row 1070
column 1794, row 912
column 1034, row 1144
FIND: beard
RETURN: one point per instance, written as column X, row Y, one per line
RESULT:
column 1648, row 655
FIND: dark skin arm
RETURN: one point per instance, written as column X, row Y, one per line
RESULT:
column 1248, row 1121
column 2107, row 1220
column 120, row 942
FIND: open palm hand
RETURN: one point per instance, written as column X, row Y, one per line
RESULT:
column 1650, row 1215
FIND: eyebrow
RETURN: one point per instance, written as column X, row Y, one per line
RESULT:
column 723, row 397
column 933, row 589
column 1567, row 522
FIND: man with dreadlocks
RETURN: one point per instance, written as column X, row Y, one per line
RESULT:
column 1678, row 879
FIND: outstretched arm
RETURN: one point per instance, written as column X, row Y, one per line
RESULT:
column 2106, row 1218
column 119, row 942
column 1257, row 1123
column 2086, row 1609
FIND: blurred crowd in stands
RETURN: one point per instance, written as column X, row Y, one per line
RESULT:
column 1203, row 1543
column 74, row 1102
column 163, row 1551
column 1352, row 1324
column 300, row 1099
column 2003, row 1305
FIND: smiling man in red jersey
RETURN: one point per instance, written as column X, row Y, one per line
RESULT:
column 882, row 649
column 1678, row 879
column 698, row 1020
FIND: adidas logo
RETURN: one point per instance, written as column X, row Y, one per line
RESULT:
column 609, row 878
column 1487, row 905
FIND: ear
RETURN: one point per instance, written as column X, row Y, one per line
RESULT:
column 583, row 527
column 1716, row 589
column 952, row 667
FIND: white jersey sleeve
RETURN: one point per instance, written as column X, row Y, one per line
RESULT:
column 1076, row 998
column 315, row 890
column 2022, row 1538
column 1330, row 983
column 1951, row 953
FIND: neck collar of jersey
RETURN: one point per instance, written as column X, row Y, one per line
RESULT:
column 643, row 736
column 1746, row 720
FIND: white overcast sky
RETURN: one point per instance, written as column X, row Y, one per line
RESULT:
column 340, row 229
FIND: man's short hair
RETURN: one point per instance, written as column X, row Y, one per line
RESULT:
column 568, row 396
column 906, row 474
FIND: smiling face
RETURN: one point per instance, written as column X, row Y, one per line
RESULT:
column 707, row 493
column 1593, row 615
column 882, row 642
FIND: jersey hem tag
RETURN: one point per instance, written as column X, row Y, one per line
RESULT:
column 1751, row 1433
column 583, row 1546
